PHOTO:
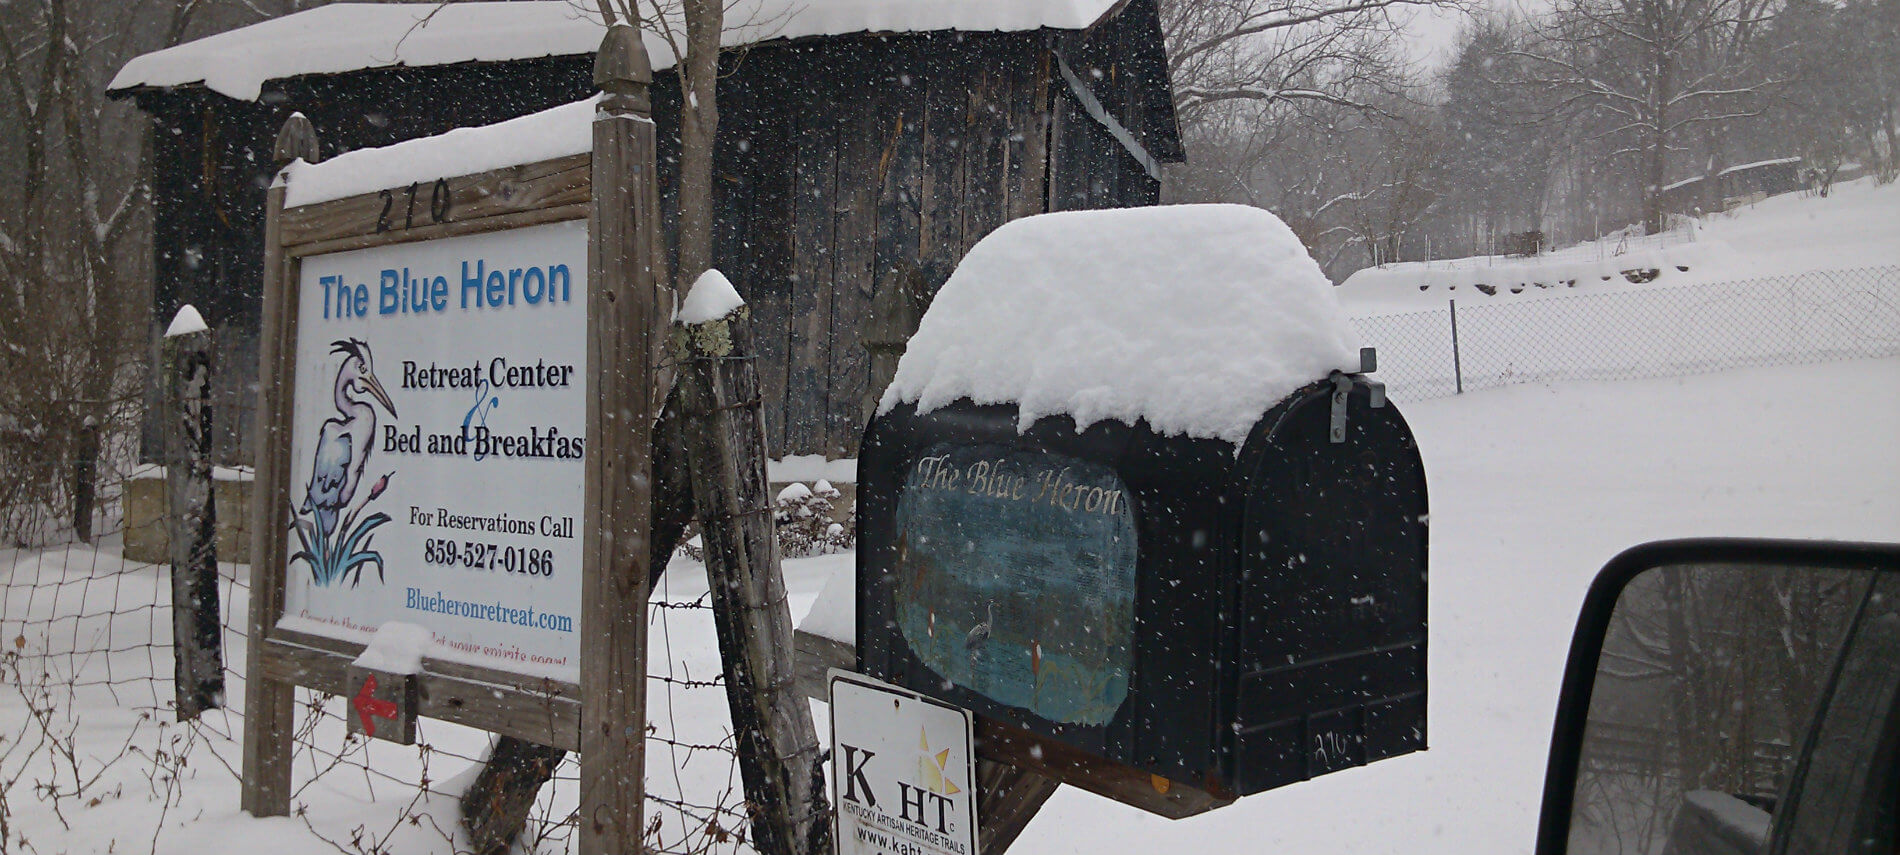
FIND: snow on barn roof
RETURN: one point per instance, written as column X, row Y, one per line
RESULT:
column 1683, row 183
column 1195, row 318
column 344, row 37
column 1731, row 171
column 1760, row 163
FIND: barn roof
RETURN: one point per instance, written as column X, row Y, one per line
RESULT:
column 345, row 37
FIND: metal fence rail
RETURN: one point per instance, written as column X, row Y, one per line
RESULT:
column 1662, row 332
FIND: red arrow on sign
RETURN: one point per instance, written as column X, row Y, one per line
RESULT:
column 370, row 708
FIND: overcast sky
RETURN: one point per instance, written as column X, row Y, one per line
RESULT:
column 1432, row 35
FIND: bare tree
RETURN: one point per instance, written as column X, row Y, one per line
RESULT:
column 1294, row 107
column 1352, row 174
column 692, row 29
column 1843, row 73
column 1265, row 51
column 74, row 272
column 1651, row 73
column 1498, row 161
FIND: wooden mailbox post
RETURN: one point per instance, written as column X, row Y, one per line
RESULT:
column 502, row 520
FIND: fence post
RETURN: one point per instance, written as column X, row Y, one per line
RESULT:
column 725, row 448
column 629, row 305
column 85, row 478
column 197, row 651
column 1457, row 364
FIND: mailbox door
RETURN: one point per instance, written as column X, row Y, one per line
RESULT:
column 1330, row 645
column 1078, row 597
column 979, row 588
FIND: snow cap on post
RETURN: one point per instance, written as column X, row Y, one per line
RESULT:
column 296, row 140
column 711, row 298
column 186, row 322
column 712, row 315
column 622, row 68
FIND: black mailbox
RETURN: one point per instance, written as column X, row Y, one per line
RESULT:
column 1235, row 621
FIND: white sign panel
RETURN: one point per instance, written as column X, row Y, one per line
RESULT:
column 438, row 433
column 902, row 770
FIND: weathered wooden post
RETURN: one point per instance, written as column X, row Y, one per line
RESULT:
column 725, row 448
column 268, row 703
column 197, row 651
column 629, row 305
column 1007, row 798
column 85, row 477
column 495, row 806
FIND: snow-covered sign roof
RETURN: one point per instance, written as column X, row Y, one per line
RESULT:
column 1195, row 318
column 351, row 36
column 555, row 132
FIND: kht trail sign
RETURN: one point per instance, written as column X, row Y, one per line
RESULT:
column 902, row 769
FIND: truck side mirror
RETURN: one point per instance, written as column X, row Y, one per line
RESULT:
column 1731, row 696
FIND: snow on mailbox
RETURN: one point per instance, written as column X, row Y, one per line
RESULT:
column 1128, row 493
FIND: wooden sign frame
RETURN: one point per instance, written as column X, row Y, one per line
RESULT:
column 628, row 305
column 534, row 194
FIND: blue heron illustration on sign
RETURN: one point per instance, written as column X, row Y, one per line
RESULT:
column 334, row 542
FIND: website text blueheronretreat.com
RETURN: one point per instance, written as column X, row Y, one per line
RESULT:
column 417, row 600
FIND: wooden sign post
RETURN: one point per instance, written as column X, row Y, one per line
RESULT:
column 629, row 306
column 479, row 508
column 268, row 703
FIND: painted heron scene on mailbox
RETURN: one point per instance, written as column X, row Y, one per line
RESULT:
column 1164, row 392
column 333, row 542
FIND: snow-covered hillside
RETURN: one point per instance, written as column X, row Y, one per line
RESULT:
column 1533, row 488
column 1858, row 225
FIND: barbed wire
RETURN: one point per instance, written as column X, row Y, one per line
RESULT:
column 83, row 627
column 85, row 631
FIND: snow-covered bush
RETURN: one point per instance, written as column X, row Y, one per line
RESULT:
column 805, row 520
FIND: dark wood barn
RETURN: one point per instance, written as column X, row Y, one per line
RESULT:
column 1734, row 186
column 850, row 162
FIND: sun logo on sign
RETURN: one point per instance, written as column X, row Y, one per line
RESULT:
column 931, row 768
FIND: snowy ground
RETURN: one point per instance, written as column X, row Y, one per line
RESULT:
column 1533, row 487
column 1857, row 225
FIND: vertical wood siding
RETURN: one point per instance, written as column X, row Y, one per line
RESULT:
column 845, row 167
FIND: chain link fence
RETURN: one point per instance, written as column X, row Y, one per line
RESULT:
column 92, row 757
column 1662, row 332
